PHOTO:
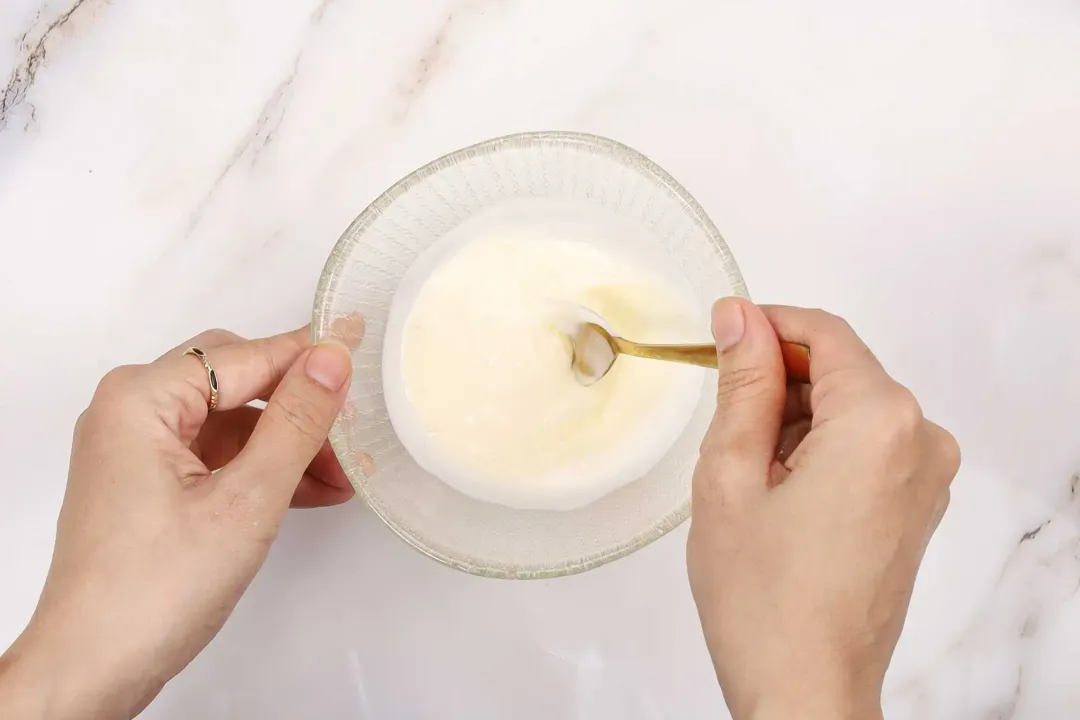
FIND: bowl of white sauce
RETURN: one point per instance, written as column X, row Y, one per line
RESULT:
column 465, row 429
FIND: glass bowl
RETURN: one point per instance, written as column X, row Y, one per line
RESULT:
column 612, row 182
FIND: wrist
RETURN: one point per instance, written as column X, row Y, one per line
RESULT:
column 43, row 678
column 811, row 696
column 26, row 690
column 815, row 708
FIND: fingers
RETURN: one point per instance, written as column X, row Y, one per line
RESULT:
column 245, row 370
column 843, row 371
column 791, row 435
column 741, row 442
column 314, row 493
column 224, row 435
column 939, row 512
column 326, row 469
column 833, row 343
column 942, row 454
column 945, row 451
column 797, row 403
column 205, row 340
column 349, row 330
column 294, row 425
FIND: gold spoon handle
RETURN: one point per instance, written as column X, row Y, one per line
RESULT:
column 796, row 356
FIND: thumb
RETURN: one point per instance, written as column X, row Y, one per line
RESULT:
column 741, row 442
column 295, row 423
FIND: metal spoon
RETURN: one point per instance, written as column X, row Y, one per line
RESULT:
column 595, row 350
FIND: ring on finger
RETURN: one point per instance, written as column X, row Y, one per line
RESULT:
column 212, row 403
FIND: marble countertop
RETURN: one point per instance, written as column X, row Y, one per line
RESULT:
column 167, row 167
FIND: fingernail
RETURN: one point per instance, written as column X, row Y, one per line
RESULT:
column 329, row 364
column 729, row 323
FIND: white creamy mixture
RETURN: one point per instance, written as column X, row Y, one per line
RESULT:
column 477, row 371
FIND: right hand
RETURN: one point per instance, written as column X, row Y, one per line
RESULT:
column 802, row 571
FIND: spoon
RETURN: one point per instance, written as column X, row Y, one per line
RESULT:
column 595, row 350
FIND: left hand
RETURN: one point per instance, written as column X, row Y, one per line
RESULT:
column 169, row 513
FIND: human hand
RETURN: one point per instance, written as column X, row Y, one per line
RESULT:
column 802, row 571
column 153, row 548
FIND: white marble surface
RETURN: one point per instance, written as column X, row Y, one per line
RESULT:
column 166, row 167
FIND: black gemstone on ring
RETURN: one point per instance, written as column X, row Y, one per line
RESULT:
column 213, row 381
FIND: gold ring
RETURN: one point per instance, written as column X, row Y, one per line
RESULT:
column 212, row 404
